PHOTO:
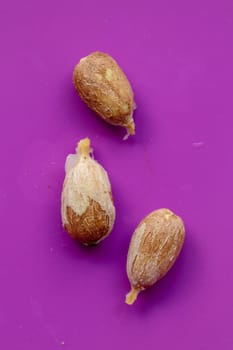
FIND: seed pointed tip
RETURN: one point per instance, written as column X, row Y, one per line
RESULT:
column 131, row 297
column 83, row 147
column 130, row 129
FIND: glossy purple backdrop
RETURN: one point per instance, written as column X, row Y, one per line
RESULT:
column 178, row 55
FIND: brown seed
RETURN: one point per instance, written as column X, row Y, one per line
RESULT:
column 88, row 212
column 154, row 247
column 103, row 86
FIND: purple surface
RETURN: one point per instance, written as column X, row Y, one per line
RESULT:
column 178, row 56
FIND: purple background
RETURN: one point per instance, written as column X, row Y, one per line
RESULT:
column 178, row 55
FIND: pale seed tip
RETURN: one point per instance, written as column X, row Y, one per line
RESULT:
column 130, row 130
column 83, row 147
column 131, row 297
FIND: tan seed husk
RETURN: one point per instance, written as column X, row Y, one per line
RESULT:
column 103, row 86
column 88, row 212
column 154, row 247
